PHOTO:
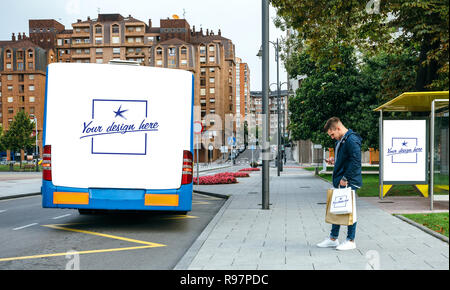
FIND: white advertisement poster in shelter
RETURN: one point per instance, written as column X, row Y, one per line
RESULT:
column 405, row 151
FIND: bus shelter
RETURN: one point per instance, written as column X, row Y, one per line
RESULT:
column 415, row 151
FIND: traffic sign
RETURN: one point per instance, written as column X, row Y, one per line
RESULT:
column 198, row 127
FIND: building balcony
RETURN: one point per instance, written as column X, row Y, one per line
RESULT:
column 81, row 55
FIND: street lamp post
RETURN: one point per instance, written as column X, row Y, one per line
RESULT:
column 265, row 103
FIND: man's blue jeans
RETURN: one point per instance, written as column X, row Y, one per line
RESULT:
column 351, row 231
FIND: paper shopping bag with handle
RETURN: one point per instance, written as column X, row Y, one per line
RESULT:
column 340, row 219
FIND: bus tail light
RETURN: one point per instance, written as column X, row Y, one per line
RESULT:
column 188, row 167
column 47, row 163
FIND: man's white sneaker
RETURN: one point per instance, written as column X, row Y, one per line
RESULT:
column 328, row 243
column 347, row 245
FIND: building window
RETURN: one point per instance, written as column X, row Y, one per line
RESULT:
column 31, row 99
column 9, row 77
column 159, row 51
column 98, row 29
column 99, row 60
column 183, row 62
column 212, row 48
column 211, row 80
column 98, row 40
column 31, row 88
column 212, row 90
column 10, row 99
column 116, row 50
column 8, row 54
column 202, row 92
column 115, row 28
column 183, row 50
column 202, row 82
column 212, row 70
column 8, row 66
column 30, row 53
column 171, row 51
column 59, row 42
column 202, row 49
column 202, row 60
column 159, row 62
column 31, row 110
column 99, row 51
column 212, row 59
column 10, row 110
column 115, row 39
column 10, row 88
column 203, row 71
column 30, row 65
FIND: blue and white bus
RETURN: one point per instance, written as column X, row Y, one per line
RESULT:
column 118, row 137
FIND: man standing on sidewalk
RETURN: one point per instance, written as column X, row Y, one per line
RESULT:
column 346, row 172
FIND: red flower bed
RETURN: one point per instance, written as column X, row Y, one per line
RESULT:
column 233, row 174
column 220, row 178
column 250, row 169
column 214, row 179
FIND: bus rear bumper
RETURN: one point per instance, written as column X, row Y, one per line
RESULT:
column 117, row 199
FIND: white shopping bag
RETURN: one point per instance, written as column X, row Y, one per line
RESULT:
column 341, row 201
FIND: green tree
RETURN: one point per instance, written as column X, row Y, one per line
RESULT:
column 373, row 26
column 18, row 137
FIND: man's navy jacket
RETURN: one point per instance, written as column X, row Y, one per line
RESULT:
column 348, row 161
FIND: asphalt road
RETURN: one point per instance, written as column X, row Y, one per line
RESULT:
column 32, row 237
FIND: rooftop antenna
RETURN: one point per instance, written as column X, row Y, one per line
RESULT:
column 184, row 13
column 98, row 10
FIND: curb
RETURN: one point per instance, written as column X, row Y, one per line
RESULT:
column 192, row 252
column 423, row 228
column 19, row 195
column 224, row 196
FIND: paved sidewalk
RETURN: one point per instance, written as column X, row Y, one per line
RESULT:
column 243, row 236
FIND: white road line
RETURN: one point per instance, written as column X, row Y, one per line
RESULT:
column 2, row 210
column 59, row 217
column 25, row 226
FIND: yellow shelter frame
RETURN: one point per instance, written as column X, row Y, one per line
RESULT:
column 414, row 102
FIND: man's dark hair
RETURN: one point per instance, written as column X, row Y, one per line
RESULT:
column 331, row 124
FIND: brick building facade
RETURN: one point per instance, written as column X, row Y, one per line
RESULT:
column 174, row 44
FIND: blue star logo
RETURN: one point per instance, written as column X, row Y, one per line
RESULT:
column 404, row 143
column 119, row 112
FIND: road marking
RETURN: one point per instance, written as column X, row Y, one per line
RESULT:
column 30, row 225
column 176, row 217
column 71, row 253
column 104, row 235
column 2, row 210
column 61, row 216
column 59, row 227
column 200, row 202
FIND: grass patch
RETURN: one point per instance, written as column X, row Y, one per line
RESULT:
column 17, row 168
column 371, row 187
column 437, row 222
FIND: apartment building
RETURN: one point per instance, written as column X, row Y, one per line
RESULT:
column 174, row 44
column 23, row 67
column 255, row 112
column 242, row 98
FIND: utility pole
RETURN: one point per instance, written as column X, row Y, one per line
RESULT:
column 265, row 104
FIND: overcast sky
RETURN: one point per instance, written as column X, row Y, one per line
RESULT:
column 239, row 20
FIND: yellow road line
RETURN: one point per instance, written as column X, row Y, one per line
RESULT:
column 71, row 253
column 176, row 217
column 105, row 236
column 147, row 245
